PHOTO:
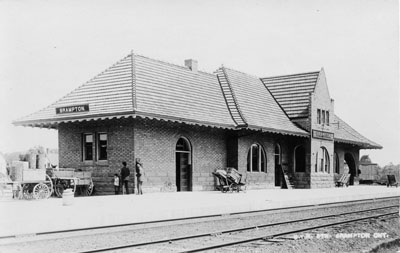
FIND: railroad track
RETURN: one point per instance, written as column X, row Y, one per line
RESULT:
column 226, row 238
column 199, row 218
column 102, row 239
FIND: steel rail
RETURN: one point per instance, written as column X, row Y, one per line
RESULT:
column 222, row 245
column 294, row 208
column 234, row 230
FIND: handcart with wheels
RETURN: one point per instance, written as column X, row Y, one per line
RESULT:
column 229, row 180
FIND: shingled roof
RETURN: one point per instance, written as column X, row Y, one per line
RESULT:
column 140, row 86
column 344, row 133
column 292, row 92
column 137, row 86
column 256, row 105
column 108, row 94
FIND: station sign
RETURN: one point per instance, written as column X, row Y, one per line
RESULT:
column 322, row 135
column 72, row 109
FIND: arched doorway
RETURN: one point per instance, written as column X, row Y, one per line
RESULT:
column 183, row 158
column 278, row 169
column 349, row 160
column 300, row 159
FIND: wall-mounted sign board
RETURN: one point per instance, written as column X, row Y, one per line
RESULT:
column 322, row 135
column 72, row 109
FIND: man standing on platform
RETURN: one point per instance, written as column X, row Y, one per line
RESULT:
column 125, row 177
column 139, row 175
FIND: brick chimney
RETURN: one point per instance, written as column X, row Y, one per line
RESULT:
column 191, row 64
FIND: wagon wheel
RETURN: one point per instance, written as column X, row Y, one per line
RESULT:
column 88, row 189
column 49, row 184
column 59, row 188
column 41, row 191
column 27, row 191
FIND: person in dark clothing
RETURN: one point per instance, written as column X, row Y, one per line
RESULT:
column 125, row 177
column 139, row 175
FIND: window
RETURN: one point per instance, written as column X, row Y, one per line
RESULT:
column 322, row 160
column 337, row 165
column 88, row 147
column 300, row 159
column 322, row 117
column 256, row 161
column 94, row 148
column 327, row 118
column 102, row 146
column 182, row 145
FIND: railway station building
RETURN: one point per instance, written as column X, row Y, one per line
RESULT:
column 184, row 124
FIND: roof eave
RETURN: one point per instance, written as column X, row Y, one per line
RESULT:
column 53, row 123
column 278, row 131
column 362, row 145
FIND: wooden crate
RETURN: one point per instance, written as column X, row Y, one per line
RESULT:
column 83, row 174
column 34, row 175
column 64, row 173
column 84, row 181
column 17, row 169
column 78, row 174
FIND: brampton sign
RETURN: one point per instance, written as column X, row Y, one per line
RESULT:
column 322, row 135
column 72, row 109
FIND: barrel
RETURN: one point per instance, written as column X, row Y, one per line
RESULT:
column 68, row 197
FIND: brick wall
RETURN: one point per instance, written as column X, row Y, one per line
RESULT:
column 262, row 180
column 155, row 143
column 151, row 140
column 256, row 180
column 120, row 148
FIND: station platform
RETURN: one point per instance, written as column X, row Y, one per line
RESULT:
column 24, row 217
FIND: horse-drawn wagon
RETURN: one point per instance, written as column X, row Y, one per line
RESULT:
column 67, row 178
column 32, row 184
column 24, row 183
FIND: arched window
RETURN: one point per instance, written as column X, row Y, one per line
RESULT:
column 337, row 164
column 182, row 145
column 300, row 159
column 322, row 160
column 256, row 160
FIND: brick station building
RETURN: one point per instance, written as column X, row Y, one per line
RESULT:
column 184, row 124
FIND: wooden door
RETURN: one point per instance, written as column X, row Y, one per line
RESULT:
column 278, row 169
column 278, row 172
column 183, row 174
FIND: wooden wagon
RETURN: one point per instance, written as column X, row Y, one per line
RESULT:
column 33, row 184
column 66, row 178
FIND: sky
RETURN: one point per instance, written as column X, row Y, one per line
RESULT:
column 49, row 48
